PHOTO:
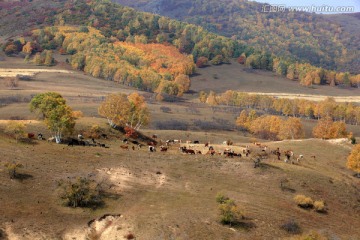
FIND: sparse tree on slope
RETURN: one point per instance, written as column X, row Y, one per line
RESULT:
column 56, row 114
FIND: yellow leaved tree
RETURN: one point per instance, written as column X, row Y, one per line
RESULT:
column 123, row 110
column 353, row 160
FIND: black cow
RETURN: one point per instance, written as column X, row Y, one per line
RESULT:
column 73, row 142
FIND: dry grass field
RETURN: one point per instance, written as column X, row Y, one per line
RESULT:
column 238, row 78
column 167, row 195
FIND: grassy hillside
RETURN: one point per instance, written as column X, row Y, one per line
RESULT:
column 172, row 195
column 295, row 35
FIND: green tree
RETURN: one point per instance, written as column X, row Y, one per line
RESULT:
column 49, row 60
column 37, row 59
column 56, row 114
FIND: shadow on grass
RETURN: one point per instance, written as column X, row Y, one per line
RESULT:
column 245, row 224
column 3, row 234
column 23, row 176
column 28, row 141
column 266, row 166
column 112, row 196
column 288, row 189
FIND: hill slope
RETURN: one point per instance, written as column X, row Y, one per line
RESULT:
column 173, row 195
column 296, row 35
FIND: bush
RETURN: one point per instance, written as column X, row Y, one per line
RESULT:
column 311, row 236
column 94, row 132
column 202, row 62
column 229, row 211
column 11, row 82
column 319, row 206
column 131, row 133
column 221, row 198
column 12, row 168
column 81, row 193
column 353, row 140
column 16, row 129
column 291, row 227
column 303, row 201
column 77, row 114
column 165, row 109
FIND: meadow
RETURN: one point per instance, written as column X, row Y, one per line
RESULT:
column 169, row 195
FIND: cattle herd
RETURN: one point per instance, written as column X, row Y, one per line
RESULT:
column 257, row 153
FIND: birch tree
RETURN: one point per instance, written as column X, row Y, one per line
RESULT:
column 123, row 110
column 52, row 108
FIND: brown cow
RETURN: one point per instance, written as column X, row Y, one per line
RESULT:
column 125, row 147
column 31, row 135
column 189, row 151
column 163, row 148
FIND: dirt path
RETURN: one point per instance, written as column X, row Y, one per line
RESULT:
column 310, row 96
column 12, row 72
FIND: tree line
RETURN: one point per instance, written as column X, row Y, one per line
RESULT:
column 328, row 108
column 150, row 67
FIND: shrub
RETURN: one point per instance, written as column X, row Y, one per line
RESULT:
column 319, row 206
column 11, row 82
column 221, row 198
column 77, row 114
column 165, row 109
column 12, row 168
column 291, row 227
column 230, row 213
column 303, row 201
column 81, row 193
column 16, row 129
column 94, row 132
column 130, row 132
column 311, row 236
column 202, row 62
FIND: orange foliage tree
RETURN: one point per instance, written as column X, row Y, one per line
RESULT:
column 326, row 128
column 123, row 110
column 353, row 160
column 291, row 129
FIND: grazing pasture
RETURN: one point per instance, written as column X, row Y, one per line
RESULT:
column 165, row 194
column 238, row 78
column 174, row 194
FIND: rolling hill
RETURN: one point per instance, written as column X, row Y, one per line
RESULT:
column 324, row 41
